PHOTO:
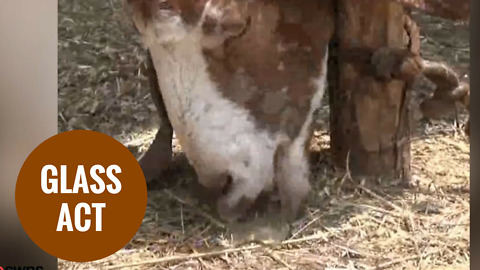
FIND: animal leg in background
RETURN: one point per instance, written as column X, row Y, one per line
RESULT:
column 449, row 93
column 158, row 157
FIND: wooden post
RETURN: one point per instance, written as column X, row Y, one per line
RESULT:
column 369, row 117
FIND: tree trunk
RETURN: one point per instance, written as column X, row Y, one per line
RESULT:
column 370, row 118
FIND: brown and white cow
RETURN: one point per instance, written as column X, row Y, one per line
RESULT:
column 241, row 81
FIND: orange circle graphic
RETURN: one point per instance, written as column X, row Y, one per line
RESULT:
column 81, row 195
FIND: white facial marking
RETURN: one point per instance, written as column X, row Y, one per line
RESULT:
column 220, row 139
column 217, row 135
column 165, row 28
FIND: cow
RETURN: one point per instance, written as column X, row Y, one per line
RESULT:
column 241, row 81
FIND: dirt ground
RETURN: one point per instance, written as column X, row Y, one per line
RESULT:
column 101, row 88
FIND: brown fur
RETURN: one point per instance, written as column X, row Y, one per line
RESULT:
column 264, row 56
column 252, row 61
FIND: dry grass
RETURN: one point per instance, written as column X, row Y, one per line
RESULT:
column 347, row 226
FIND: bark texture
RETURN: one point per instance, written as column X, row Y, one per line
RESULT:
column 374, row 59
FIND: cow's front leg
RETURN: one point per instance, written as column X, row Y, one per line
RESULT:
column 158, row 157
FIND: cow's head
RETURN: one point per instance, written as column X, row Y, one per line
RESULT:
column 169, row 21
